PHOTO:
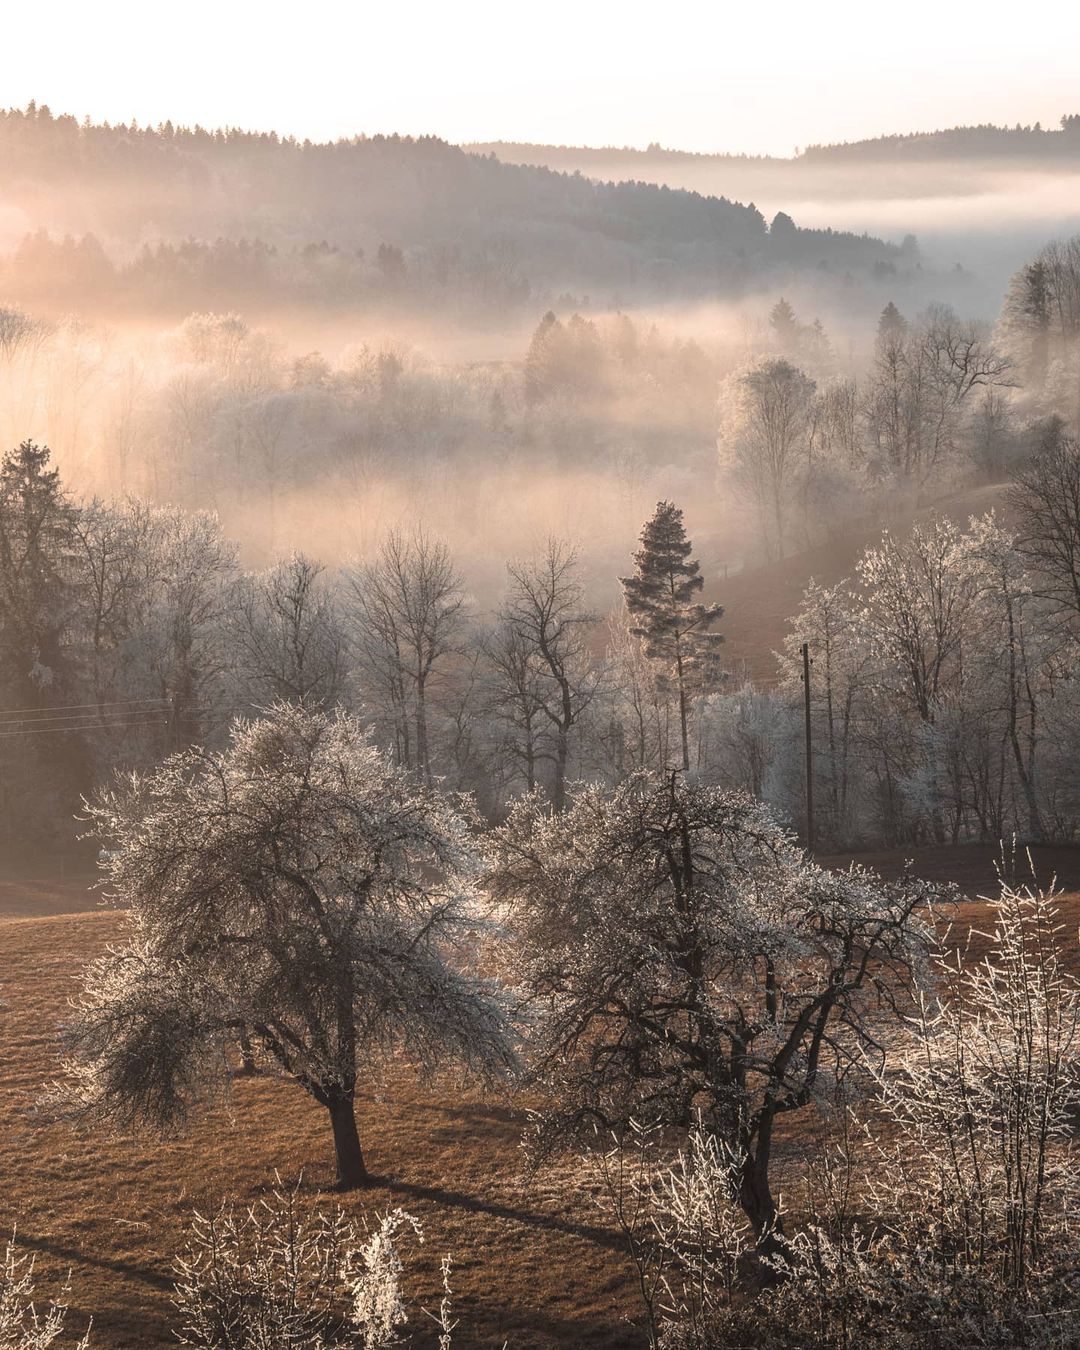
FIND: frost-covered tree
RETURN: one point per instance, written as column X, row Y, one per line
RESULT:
column 297, row 886
column 683, row 955
column 920, row 594
column 673, row 624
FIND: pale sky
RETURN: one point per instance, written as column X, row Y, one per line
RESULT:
column 761, row 77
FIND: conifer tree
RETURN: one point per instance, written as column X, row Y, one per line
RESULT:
column 785, row 326
column 674, row 626
column 541, row 359
column 36, row 524
column 891, row 324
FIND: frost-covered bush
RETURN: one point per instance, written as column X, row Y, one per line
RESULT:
column 22, row 1326
column 679, row 1216
column 892, row 1291
column 373, row 1275
column 982, row 1091
column 273, row 1277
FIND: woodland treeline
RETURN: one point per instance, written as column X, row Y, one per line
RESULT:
column 593, row 418
column 942, row 687
column 1033, row 140
column 943, row 698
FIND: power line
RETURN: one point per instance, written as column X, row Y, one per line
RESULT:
column 88, row 726
column 75, row 707
column 81, row 716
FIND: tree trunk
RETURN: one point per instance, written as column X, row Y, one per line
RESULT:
column 756, row 1200
column 351, row 1171
column 247, row 1054
column 682, row 708
column 422, row 762
column 558, row 791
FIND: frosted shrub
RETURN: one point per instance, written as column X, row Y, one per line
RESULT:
column 22, row 1326
column 374, row 1279
column 274, row 1278
column 268, row 1276
column 983, row 1091
column 684, row 1231
column 698, row 1222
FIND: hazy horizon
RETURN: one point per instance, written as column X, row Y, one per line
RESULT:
column 754, row 83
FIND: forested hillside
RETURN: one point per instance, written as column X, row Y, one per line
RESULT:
column 143, row 218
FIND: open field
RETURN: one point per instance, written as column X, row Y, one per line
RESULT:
column 535, row 1264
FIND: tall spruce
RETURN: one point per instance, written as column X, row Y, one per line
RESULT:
column 36, row 584
column 673, row 624
column 40, row 635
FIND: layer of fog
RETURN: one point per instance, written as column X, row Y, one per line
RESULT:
column 984, row 216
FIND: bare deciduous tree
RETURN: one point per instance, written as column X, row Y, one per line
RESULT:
column 1046, row 495
column 775, row 419
column 286, row 638
column 548, row 628
column 408, row 611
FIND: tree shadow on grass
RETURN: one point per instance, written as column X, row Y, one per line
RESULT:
column 486, row 1113
column 76, row 1256
column 439, row 1195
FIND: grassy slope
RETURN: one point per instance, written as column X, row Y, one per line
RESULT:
column 759, row 602
column 533, row 1265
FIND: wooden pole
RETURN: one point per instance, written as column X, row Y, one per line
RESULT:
column 809, row 750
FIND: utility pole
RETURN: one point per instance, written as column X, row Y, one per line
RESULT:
column 809, row 749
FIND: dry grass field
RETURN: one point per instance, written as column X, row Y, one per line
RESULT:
column 535, row 1264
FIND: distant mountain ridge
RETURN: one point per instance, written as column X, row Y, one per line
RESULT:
column 978, row 139
column 963, row 142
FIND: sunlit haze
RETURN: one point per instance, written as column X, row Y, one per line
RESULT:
column 755, row 78
column 539, row 648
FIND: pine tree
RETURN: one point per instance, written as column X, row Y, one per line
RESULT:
column 785, row 326
column 36, row 589
column 39, row 668
column 891, row 324
column 541, row 359
column 674, row 626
